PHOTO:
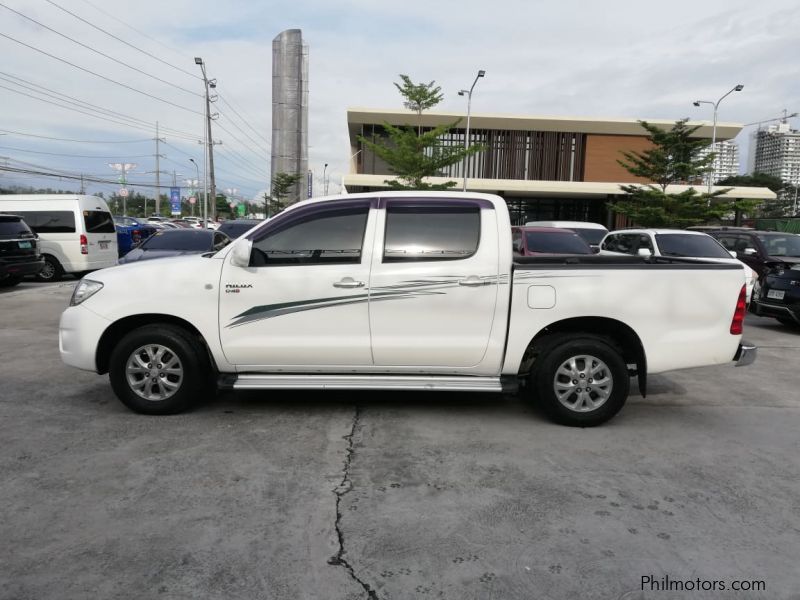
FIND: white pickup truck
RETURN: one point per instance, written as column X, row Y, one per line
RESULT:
column 401, row 291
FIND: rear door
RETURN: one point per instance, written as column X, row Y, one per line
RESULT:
column 434, row 284
column 101, row 237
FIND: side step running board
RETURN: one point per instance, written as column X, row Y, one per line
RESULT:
column 446, row 383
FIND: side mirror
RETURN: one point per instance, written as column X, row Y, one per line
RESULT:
column 750, row 252
column 240, row 253
column 732, row 253
column 644, row 252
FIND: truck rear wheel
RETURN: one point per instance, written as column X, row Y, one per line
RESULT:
column 158, row 370
column 581, row 381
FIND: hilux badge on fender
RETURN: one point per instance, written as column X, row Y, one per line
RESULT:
column 234, row 288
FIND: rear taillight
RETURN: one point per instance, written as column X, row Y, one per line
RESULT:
column 738, row 315
column 84, row 245
column 136, row 236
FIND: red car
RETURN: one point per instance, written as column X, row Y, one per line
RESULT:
column 535, row 241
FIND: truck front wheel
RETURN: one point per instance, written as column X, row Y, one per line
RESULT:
column 581, row 380
column 158, row 370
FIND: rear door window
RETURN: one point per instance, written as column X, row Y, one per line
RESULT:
column 98, row 221
column 427, row 231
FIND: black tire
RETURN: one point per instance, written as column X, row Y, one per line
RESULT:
column 10, row 281
column 52, row 271
column 190, row 387
column 576, row 409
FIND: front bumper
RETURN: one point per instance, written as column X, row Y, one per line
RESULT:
column 745, row 354
column 764, row 309
column 79, row 333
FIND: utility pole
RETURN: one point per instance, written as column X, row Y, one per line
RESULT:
column 158, row 174
column 83, row 187
column 209, row 140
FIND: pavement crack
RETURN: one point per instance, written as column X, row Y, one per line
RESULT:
column 344, row 487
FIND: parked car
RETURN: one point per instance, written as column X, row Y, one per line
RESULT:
column 678, row 243
column 130, row 233
column 182, row 223
column 532, row 241
column 591, row 232
column 777, row 294
column 76, row 233
column 402, row 291
column 235, row 228
column 176, row 242
column 760, row 250
column 19, row 250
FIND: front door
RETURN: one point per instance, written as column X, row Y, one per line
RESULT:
column 434, row 284
column 302, row 304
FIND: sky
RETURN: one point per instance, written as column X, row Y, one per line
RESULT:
column 618, row 58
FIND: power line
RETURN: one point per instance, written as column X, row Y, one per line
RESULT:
column 244, row 145
column 138, row 31
column 78, row 110
column 116, row 60
column 47, row 137
column 90, row 24
column 99, row 75
column 76, row 177
column 74, row 155
column 257, row 144
column 84, row 104
column 245, row 121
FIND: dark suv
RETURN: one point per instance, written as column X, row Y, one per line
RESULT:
column 760, row 250
column 775, row 256
column 19, row 251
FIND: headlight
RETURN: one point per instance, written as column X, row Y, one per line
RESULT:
column 86, row 288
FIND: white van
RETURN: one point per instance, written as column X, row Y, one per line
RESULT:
column 591, row 232
column 76, row 233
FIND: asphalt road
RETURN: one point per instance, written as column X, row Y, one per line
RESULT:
column 342, row 495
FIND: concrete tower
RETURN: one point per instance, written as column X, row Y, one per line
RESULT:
column 290, row 108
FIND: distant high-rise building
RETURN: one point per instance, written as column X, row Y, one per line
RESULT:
column 776, row 152
column 290, row 108
column 726, row 161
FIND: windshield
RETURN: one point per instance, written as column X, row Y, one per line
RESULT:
column 686, row 244
column 592, row 236
column 179, row 239
column 781, row 244
column 556, row 242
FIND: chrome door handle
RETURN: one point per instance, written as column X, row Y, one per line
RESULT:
column 348, row 282
column 472, row 281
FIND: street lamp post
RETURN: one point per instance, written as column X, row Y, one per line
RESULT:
column 325, row 180
column 205, row 197
column 208, row 141
column 736, row 88
column 480, row 74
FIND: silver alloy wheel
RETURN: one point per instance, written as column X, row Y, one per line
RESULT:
column 583, row 383
column 48, row 271
column 154, row 372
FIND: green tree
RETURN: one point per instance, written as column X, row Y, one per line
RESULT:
column 419, row 96
column 283, row 186
column 673, row 158
column 413, row 155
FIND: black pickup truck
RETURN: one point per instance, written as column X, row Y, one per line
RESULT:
column 19, row 251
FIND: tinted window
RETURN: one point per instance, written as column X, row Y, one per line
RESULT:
column 234, row 229
column 329, row 235
column 13, row 228
column 592, row 236
column 179, row 239
column 50, row 221
column 431, row 232
column 98, row 221
column 685, row 244
column 220, row 240
column 781, row 244
column 556, row 242
column 626, row 243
